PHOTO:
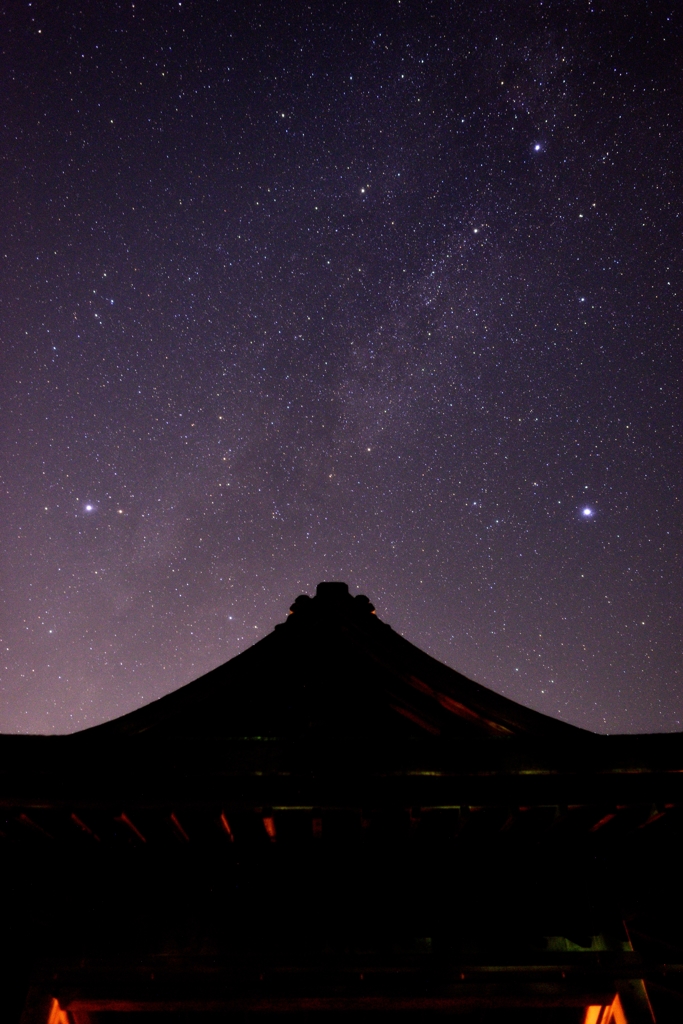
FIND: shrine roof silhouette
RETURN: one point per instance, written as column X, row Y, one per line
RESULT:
column 334, row 668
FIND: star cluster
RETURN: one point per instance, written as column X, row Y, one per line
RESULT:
column 388, row 294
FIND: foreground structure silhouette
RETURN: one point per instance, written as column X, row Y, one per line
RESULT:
column 334, row 823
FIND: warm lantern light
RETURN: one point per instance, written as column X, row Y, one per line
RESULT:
column 57, row 1014
column 609, row 1014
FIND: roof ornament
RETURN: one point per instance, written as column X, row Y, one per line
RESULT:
column 332, row 601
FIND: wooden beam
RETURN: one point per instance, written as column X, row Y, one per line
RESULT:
column 225, row 825
column 82, row 825
column 123, row 817
column 656, row 815
column 178, row 827
column 605, row 820
column 25, row 820
column 287, row 1004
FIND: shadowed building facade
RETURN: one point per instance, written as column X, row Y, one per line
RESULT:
column 334, row 823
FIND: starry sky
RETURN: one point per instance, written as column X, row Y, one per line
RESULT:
column 387, row 293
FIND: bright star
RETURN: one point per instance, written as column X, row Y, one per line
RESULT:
column 537, row 147
column 587, row 512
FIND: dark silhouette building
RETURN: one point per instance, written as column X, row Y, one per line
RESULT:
column 334, row 823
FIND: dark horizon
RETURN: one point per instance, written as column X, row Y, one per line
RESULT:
column 388, row 295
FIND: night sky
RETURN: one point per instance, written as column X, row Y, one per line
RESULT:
column 387, row 293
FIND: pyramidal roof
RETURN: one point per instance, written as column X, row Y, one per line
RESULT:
column 334, row 669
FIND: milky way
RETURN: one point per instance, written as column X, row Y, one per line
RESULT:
column 387, row 294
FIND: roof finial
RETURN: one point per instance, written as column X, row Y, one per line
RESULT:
column 332, row 591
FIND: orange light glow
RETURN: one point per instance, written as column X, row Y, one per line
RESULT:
column 57, row 1014
column 82, row 825
column 25, row 820
column 176, row 824
column 609, row 1014
column 655, row 816
column 603, row 821
column 456, row 708
column 427, row 726
column 126, row 821
column 226, row 827
column 269, row 826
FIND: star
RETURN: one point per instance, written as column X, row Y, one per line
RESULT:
column 463, row 368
